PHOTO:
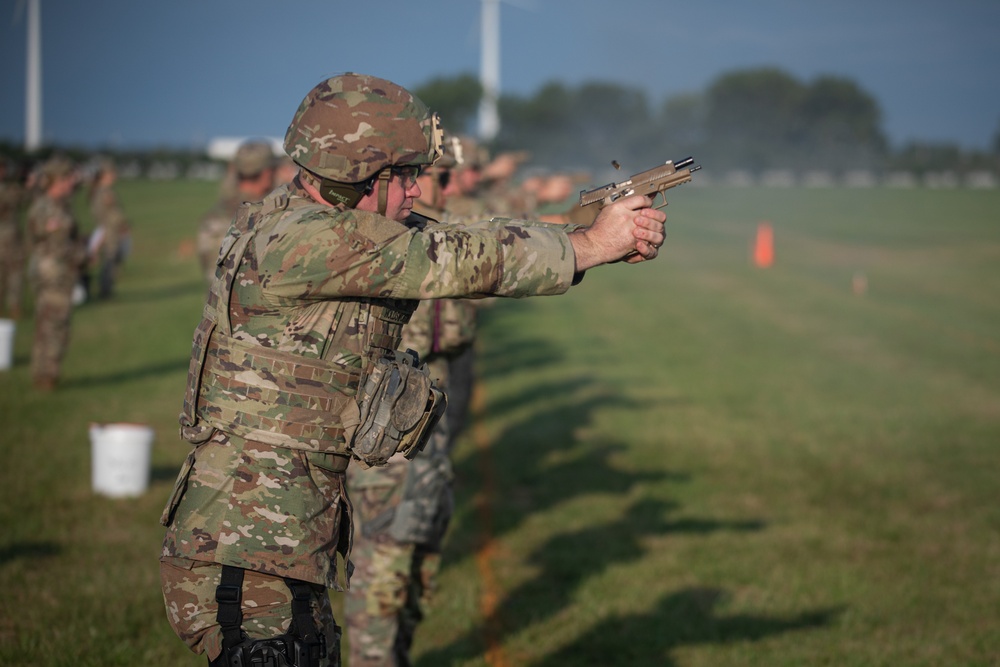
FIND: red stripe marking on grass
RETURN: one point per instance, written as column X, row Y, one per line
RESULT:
column 489, row 598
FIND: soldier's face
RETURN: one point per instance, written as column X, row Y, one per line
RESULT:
column 63, row 186
column 403, row 191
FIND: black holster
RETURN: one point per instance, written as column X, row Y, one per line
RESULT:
column 302, row 646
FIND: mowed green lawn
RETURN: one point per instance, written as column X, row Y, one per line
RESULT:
column 691, row 462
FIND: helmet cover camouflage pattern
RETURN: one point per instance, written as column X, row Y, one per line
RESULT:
column 351, row 126
column 474, row 155
column 252, row 157
column 57, row 167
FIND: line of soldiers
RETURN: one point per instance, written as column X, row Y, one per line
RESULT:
column 59, row 257
column 402, row 510
column 298, row 389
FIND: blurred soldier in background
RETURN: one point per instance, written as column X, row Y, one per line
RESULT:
column 11, row 241
column 109, row 240
column 253, row 170
column 558, row 201
column 58, row 255
column 402, row 510
column 466, row 202
column 498, row 188
column 486, row 186
column 284, row 171
column 295, row 369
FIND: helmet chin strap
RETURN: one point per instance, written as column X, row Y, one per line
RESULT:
column 383, row 190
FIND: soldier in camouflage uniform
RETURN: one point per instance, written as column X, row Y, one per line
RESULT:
column 465, row 202
column 294, row 370
column 402, row 510
column 111, row 225
column 58, row 255
column 253, row 172
column 11, row 242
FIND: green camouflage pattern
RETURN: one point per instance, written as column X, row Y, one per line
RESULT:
column 310, row 266
column 402, row 512
column 112, row 224
column 252, row 157
column 441, row 326
column 189, row 596
column 322, row 284
column 403, row 509
column 351, row 126
column 395, row 584
column 107, row 212
column 212, row 229
column 275, row 510
column 12, row 249
column 57, row 248
column 466, row 207
column 58, row 255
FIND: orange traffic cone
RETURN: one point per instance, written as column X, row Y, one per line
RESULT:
column 763, row 251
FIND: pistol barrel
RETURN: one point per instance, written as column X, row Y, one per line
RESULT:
column 681, row 164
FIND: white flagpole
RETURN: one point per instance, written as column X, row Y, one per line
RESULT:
column 33, row 93
column 489, row 70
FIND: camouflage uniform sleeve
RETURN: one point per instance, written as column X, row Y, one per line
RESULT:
column 500, row 257
column 354, row 253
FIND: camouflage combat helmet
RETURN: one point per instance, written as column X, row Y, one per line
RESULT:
column 252, row 157
column 54, row 168
column 474, row 155
column 352, row 126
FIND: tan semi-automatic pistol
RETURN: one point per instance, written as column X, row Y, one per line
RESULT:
column 650, row 182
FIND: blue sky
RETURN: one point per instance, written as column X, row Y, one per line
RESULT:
column 133, row 73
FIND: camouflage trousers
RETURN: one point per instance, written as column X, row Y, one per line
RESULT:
column 392, row 586
column 401, row 514
column 53, row 309
column 189, row 595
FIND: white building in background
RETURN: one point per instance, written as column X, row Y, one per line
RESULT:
column 224, row 148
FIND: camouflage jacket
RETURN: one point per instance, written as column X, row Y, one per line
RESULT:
column 330, row 285
column 11, row 239
column 212, row 229
column 108, row 215
column 314, row 291
column 440, row 327
column 57, row 251
column 11, row 194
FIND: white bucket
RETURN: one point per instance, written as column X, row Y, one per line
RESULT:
column 121, row 457
column 6, row 344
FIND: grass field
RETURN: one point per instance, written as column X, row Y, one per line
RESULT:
column 692, row 462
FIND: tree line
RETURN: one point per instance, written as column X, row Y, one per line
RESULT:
column 760, row 118
column 756, row 119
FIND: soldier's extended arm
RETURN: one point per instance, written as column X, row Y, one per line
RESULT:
column 650, row 183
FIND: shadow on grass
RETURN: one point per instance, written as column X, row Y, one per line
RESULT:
column 683, row 618
column 129, row 375
column 129, row 295
column 566, row 563
column 29, row 551
column 548, row 458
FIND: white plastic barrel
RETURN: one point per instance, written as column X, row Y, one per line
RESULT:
column 121, row 457
column 6, row 344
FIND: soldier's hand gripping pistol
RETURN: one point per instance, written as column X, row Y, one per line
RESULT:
column 650, row 182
